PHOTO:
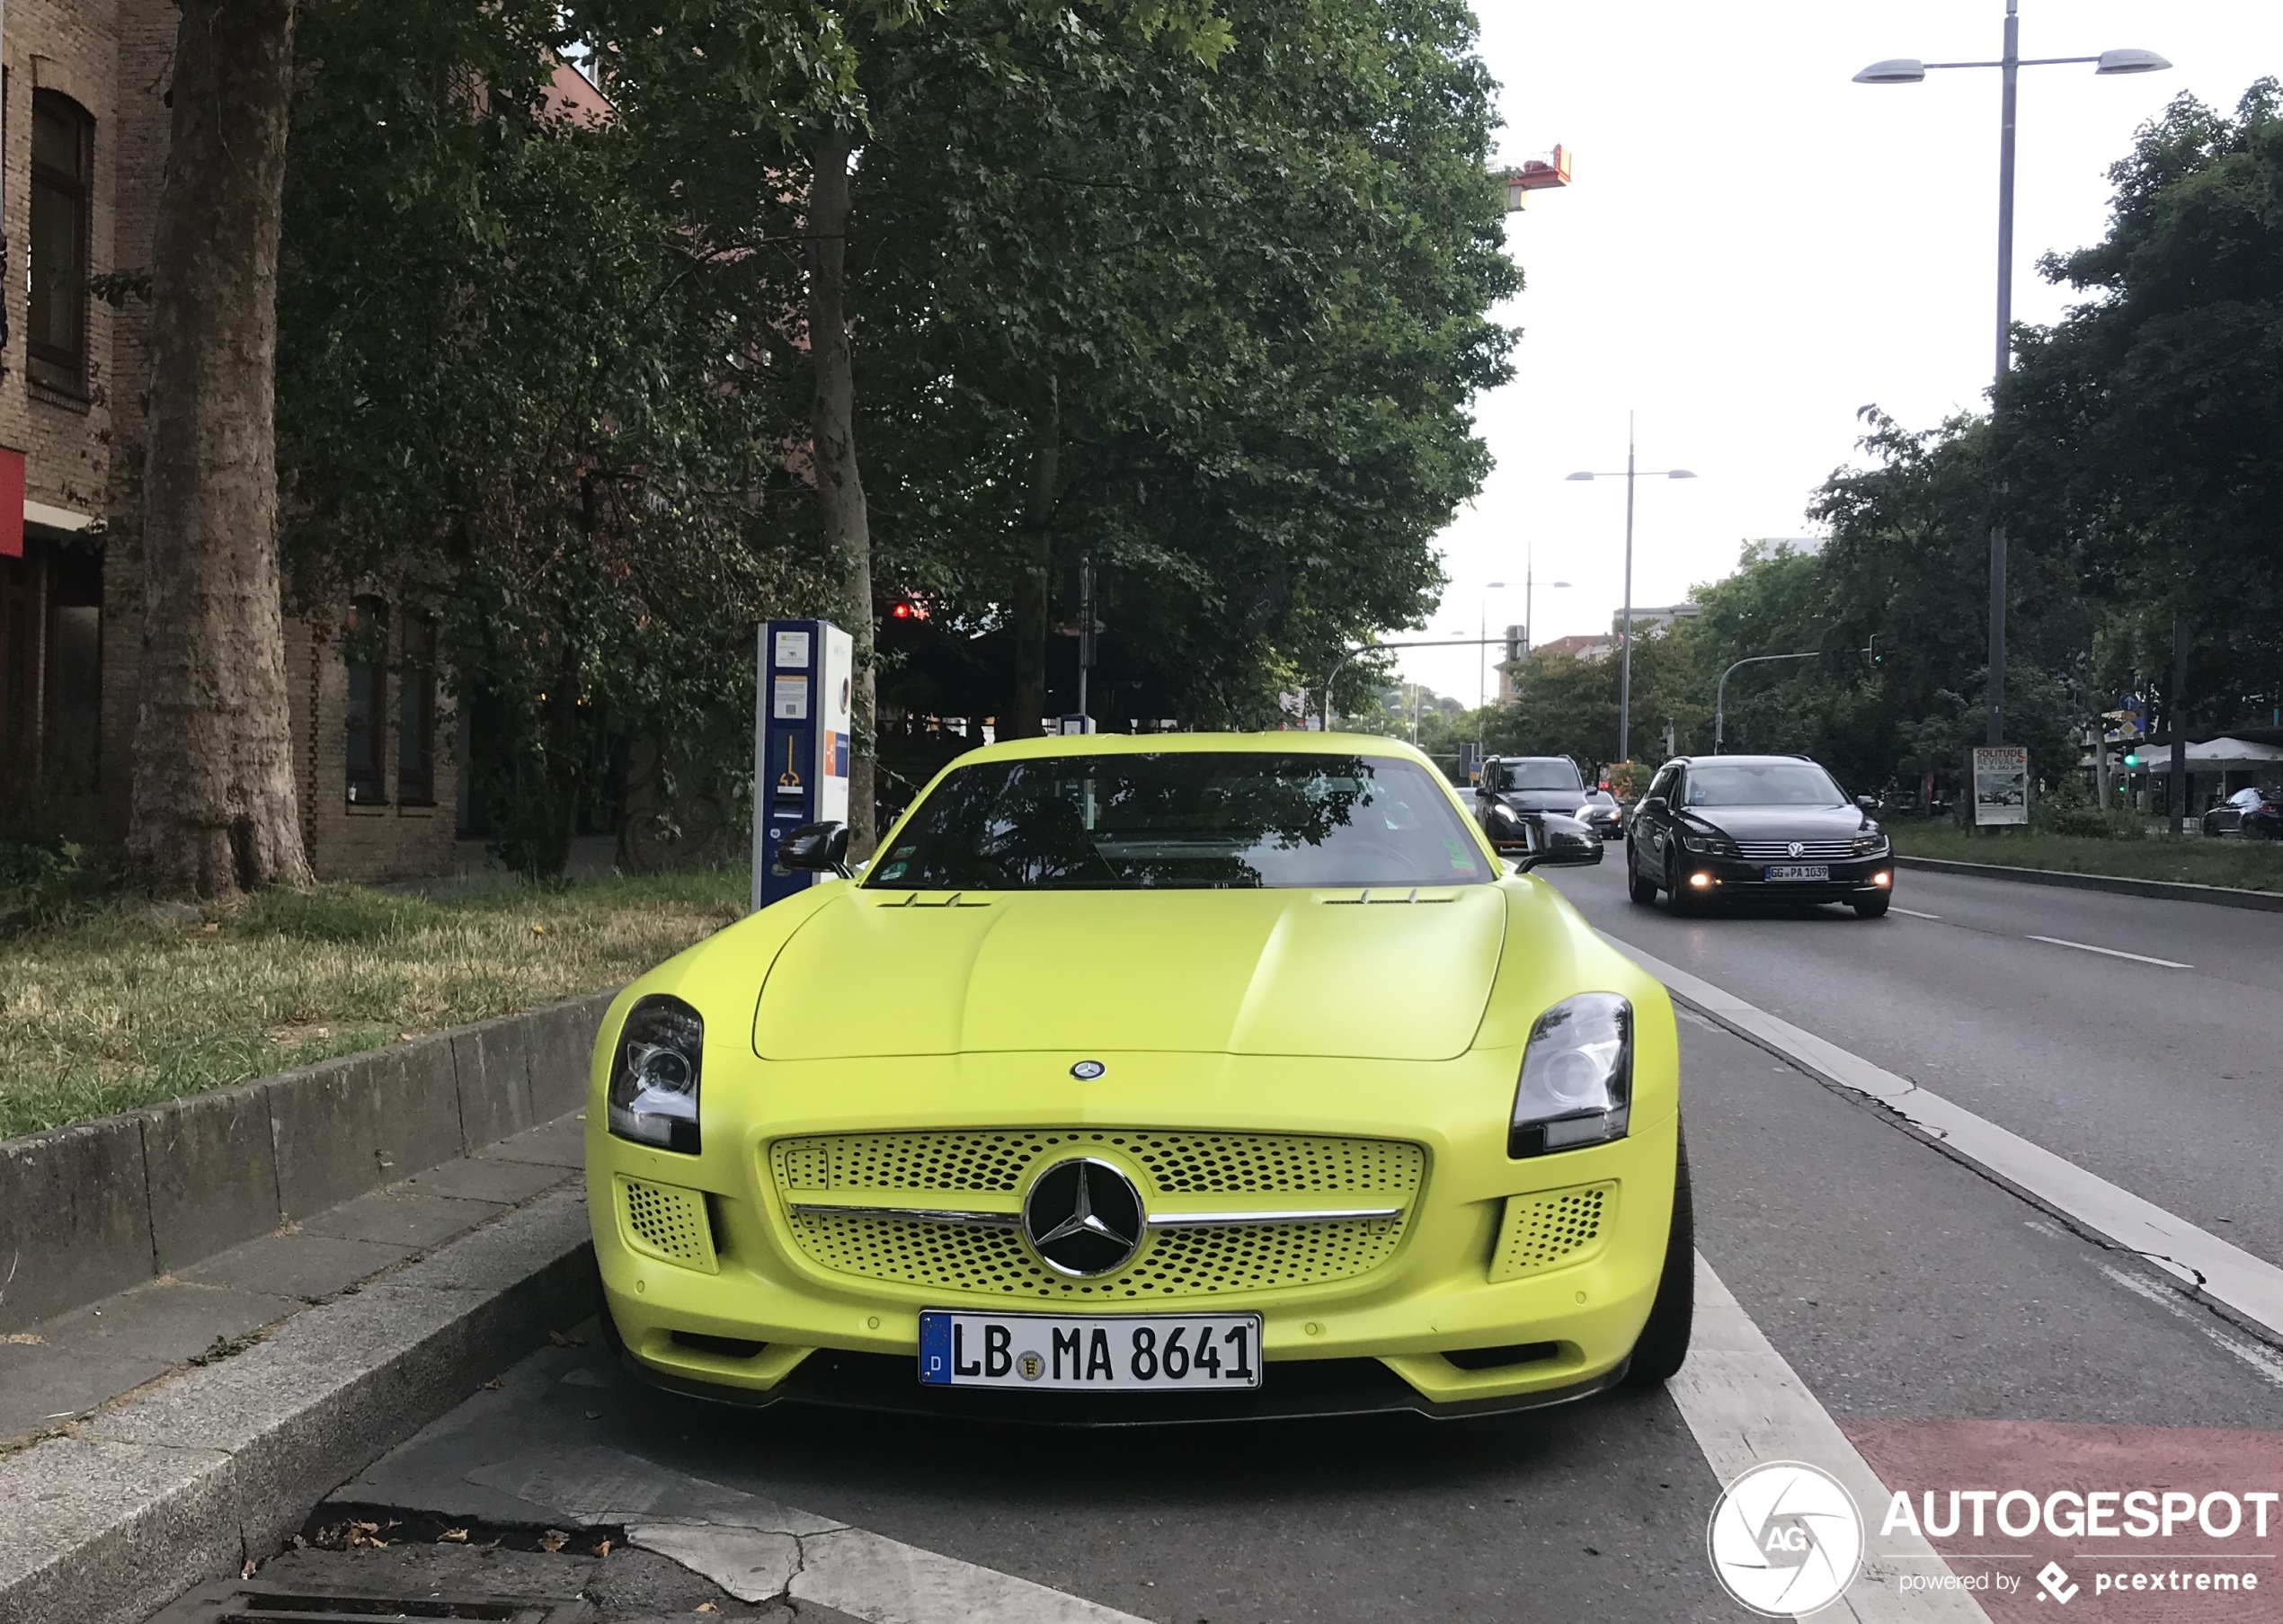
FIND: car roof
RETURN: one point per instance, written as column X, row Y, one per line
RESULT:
column 1743, row 759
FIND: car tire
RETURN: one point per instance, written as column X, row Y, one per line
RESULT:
column 1664, row 1341
column 1642, row 891
column 1677, row 900
column 1873, row 908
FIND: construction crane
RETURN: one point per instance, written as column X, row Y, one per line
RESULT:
column 1536, row 174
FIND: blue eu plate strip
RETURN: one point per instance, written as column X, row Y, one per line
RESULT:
column 935, row 1349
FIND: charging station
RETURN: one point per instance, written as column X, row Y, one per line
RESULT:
column 802, row 720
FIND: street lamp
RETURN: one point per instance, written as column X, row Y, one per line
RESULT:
column 1909, row 70
column 1529, row 580
column 1625, row 671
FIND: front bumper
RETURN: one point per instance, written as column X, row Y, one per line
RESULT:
column 1738, row 879
column 768, row 1322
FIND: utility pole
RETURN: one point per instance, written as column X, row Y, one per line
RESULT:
column 2176, row 791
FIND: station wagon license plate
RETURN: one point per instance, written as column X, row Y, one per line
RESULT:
column 1099, row 1354
column 1800, row 871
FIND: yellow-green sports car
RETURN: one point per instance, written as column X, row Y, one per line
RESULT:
column 1150, row 1079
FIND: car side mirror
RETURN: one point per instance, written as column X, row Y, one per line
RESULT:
column 1867, row 803
column 817, row 847
column 1654, row 803
column 1513, row 836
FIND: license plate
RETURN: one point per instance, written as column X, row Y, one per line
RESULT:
column 1121, row 1353
column 1800, row 871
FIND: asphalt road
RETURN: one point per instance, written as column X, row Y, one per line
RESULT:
column 1959, row 1336
column 2167, row 1081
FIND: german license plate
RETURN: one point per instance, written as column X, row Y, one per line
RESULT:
column 1100, row 1353
column 1800, row 871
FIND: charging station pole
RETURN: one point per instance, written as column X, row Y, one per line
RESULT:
column 801, row 727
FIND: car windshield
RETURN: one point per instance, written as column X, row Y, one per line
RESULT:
column 1552, row 774
column 1193, row 819
column 1762, row 784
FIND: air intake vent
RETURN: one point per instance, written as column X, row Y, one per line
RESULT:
column 666, row 1221
column 1552, row 1229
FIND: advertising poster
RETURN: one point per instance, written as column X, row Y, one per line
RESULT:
column 2001, row 784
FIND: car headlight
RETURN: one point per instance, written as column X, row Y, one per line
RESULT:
column 1577, row 1085
column 1705, row 840
column 655, row 1074
column 1872, row 844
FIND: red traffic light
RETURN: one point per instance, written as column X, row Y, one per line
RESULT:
column 905, row 608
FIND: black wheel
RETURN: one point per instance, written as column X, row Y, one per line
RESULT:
column 1664, row 1339
column 1873, row 908
column 604, row 1322
column 1642, row 891
column 1676, row 899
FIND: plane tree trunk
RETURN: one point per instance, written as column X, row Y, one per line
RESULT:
column 213, row 808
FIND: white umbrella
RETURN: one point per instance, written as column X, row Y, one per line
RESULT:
column 2215, row 756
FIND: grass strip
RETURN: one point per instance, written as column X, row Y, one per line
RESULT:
column 133, row 1004
column 2248, row 864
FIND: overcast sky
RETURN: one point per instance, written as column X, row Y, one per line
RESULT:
column 1754, row 247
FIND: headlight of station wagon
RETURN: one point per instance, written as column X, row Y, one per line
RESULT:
column 655, row 1074
column 1577, row 1085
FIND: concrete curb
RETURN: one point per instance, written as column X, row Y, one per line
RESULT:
column 2170, row 891
column 92, row 1209
column 221, row 1463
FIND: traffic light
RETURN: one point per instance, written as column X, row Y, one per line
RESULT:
column 2132, row 757
column 904, row 608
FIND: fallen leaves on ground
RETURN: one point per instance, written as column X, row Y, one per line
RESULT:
column 452, row 1536
column 554, row 1541
column 602, row 1549
column 705, row 1607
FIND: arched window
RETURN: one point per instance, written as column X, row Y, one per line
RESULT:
column 63, row 181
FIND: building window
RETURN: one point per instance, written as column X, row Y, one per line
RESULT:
column 74, row 731
column 416, row 712
column 364, row 651
column 63, row 174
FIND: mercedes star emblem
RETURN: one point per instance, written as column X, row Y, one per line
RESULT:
column 1798, row 848
column 1085, row 1072
column 1083, row 1218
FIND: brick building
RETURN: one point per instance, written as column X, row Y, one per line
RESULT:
column 82, row 144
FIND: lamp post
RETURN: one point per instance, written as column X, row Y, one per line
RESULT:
column 1721, row 696
column 1625, row 671
column 1909, row 70
column 1529, row 580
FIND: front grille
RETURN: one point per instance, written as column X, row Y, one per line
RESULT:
column 921, row 1169
column 666, row 1221
column 1552, row 1229
column 1779, row 851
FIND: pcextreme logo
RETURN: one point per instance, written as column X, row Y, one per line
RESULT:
column 1785, row 1538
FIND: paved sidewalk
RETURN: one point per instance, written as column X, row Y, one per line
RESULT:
column 60, row 1371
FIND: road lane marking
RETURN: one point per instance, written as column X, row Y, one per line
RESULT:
column 1744, row 1404
column 2228, row 1275
column 761, row 1551
column 1896, row 907
column 2114, row 952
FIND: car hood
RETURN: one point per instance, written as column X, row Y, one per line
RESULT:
column 1782, row 822
column 1294, row 972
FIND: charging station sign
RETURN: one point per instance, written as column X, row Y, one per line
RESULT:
column 803, row 717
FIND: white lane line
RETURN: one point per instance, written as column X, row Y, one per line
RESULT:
column 2113, row 953
column 761, row 1551
column 1744, row 1404
column 2257, row 1355
column 1894, row 908
column 2250, row 1286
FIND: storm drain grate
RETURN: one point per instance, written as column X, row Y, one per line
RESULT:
column 254, row 1601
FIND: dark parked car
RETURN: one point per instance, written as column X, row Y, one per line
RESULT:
column 1546, row 791
column 2255, row 814
column 1602, row 812
column 1714, row 828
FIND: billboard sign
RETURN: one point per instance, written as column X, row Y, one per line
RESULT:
column 2001, row 784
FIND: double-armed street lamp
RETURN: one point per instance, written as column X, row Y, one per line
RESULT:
column 1625, row 673
column 1909, row 70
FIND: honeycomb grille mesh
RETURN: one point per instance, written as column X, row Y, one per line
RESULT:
column 1552, row 1229
column 1001, row 1162
column 1172, row 1262
column 667, row 1222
